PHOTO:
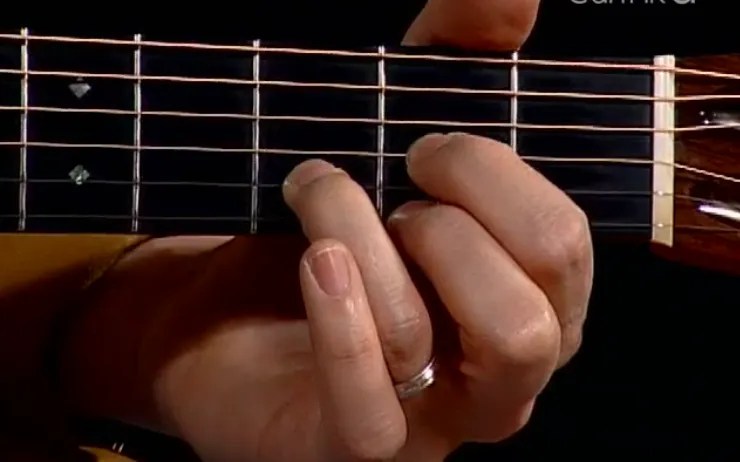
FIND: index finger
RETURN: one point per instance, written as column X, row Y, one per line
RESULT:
column 502, row 25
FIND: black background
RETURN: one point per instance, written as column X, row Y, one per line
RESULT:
column 656, row 374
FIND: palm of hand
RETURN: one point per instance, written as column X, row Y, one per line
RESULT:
column 248, row 388
column 228, row 409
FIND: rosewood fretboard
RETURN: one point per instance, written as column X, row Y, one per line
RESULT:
column 131, row 137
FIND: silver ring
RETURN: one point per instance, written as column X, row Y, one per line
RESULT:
column 419, row 382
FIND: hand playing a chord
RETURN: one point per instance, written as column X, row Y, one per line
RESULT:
column 257, row 350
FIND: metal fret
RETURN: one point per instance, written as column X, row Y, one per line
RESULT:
column 514, row 87
column 136, row 188
column 23, row 183
column 184, row 178
column 380, row 164
column 254, row 207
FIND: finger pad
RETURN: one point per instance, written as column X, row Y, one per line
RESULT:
column 479, row 24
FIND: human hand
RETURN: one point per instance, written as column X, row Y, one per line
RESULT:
column 511, row 263
column 244, row 373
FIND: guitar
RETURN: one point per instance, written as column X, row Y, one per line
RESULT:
column 131, row 135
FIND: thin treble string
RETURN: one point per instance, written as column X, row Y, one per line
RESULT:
column 370, row 154
column 393, row 188
column 371, row 120
column 596, row 225
column 367, row 87
column 365, row 54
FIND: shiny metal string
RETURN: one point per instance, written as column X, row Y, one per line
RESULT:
column 24, row 39
column 372, row 120
column 365, row 87
column 250, row 48
column 370, row 154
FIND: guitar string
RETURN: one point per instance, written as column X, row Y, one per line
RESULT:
column 595, row 225
column 627, row 196
column 520, row 62
column 163, row 78
column 374, row 121
column 368, row 154
column 262, row 187
column 368, row 187
column 361, row 54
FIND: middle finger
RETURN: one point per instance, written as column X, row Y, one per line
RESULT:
column 330, row 205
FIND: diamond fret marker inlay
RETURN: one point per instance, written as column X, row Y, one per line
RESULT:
column 79, row 175
column 80, row 88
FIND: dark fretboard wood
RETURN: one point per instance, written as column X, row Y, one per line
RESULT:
column 233, row 186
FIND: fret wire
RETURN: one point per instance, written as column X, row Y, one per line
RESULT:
column 136, row 187
column 380, row 162
column 514, row 87
column 256, row 111
column 23, row 184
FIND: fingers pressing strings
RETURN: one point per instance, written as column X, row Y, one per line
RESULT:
column 538, row 224
column 402, row 320
column 502, row 25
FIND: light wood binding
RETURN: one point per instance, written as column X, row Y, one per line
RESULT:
column 104, row 455
column 713, row 150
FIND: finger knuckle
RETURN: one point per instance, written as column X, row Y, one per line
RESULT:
column 572, row 338
column 402, row 340
column 514, row 421
column 565, row 247
column 351, row 353
column 378, row 437
column 536, row 342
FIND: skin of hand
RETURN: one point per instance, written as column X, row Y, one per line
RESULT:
column 256, row 348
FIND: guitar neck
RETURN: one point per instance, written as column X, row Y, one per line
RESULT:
column 134, row 136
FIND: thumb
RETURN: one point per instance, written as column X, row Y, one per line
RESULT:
column 501, row 25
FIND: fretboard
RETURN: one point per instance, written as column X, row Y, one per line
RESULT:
column 133, row 136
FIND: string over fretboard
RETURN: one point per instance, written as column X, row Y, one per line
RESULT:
column 148, row 136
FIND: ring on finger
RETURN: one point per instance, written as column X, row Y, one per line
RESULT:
column 418, row 383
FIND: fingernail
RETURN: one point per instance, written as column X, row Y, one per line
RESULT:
column 426, row 145
column 407, row 210
column 306, row 173
column 330, row 270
